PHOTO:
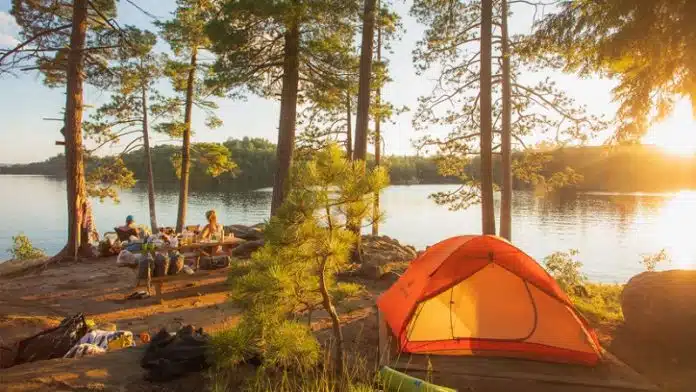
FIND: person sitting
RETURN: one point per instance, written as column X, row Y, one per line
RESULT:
column 213, row 231
column 127, row 231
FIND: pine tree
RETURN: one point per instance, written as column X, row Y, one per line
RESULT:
column 506, row 133
column 129, row 112
column 646, row 45
column 451, row 44
column 281, row 48
column 364, row 83
column 388, row 30
column 330, row 105
column 486, row 119
column 307, row 242
column 187, row 38
column 69, row 44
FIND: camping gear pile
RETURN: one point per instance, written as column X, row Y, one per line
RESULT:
column 163, row 264
column 480, row 295
column 74, row 337
column 171, row 355
column 168, row 355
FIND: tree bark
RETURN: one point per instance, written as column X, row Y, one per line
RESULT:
column 486, row 121
column 506, row 183
column 366, row 48
column 349, row 128
column 148, row 162
column 378, row 134
column 288, row 116
column 363, row 116
column 186, row 145
column 335, row 321
column 76, row 188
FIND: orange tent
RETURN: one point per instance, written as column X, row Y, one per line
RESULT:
column 480, row 295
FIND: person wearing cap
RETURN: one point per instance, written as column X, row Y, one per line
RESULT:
column 130, row 224
column 129, row 229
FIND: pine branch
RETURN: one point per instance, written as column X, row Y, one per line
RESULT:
column 32, row 39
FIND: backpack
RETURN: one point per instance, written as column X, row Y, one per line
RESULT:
column 170, row 356
column 214, row 262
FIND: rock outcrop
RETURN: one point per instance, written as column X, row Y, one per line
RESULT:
column 249, row 233
column 659, row 306
column 381, row 254
column 245, row 249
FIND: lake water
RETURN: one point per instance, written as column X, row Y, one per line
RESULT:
column 611, row 231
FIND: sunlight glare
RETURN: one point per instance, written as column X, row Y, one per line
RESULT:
column 677, row 133
column 670, row 233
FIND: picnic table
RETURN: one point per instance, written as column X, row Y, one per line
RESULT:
column 196, row 247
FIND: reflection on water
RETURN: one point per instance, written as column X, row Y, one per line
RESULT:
column 611, row 231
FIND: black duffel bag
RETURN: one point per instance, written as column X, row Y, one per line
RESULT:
column 170, row 356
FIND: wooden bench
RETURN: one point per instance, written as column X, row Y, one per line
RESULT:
column 159, row 281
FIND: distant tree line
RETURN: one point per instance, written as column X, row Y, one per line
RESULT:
column 618, row 169
column 255, row 161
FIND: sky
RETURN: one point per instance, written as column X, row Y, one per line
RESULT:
column 25, row 135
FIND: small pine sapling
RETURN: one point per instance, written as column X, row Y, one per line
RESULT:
column 307, row 242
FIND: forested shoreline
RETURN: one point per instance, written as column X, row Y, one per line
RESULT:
column 635, row 168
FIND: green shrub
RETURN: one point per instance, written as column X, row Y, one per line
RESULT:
column 291, row 345
column 600, row 303
column 22, row 248
column 358, row 377
column 650, row 261
column 232, row 346
column 565, row 269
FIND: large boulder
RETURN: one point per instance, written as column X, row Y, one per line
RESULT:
column 381, row 254
column 249, row 233
column 661, row 306
column 245, row 249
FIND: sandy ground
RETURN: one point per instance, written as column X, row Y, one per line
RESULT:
column 37, row 300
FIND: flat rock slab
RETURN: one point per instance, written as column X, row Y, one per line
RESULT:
column 501, row 374
column 487, row 374
column 113, row 371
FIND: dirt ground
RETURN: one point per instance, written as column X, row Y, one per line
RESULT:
column 37, row 300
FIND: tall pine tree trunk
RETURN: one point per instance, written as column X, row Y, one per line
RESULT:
column 486, row 121
column 288, row 116
column 506, row 183
column 76, row 187
column 148, row 162
column 186, row 145
column 378, row 133
column 349, row 127
column 363, row 116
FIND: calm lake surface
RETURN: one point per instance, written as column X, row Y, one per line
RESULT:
column 611, row 231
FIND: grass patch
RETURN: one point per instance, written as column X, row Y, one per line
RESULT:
column 319, row 378
column 600, row 303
